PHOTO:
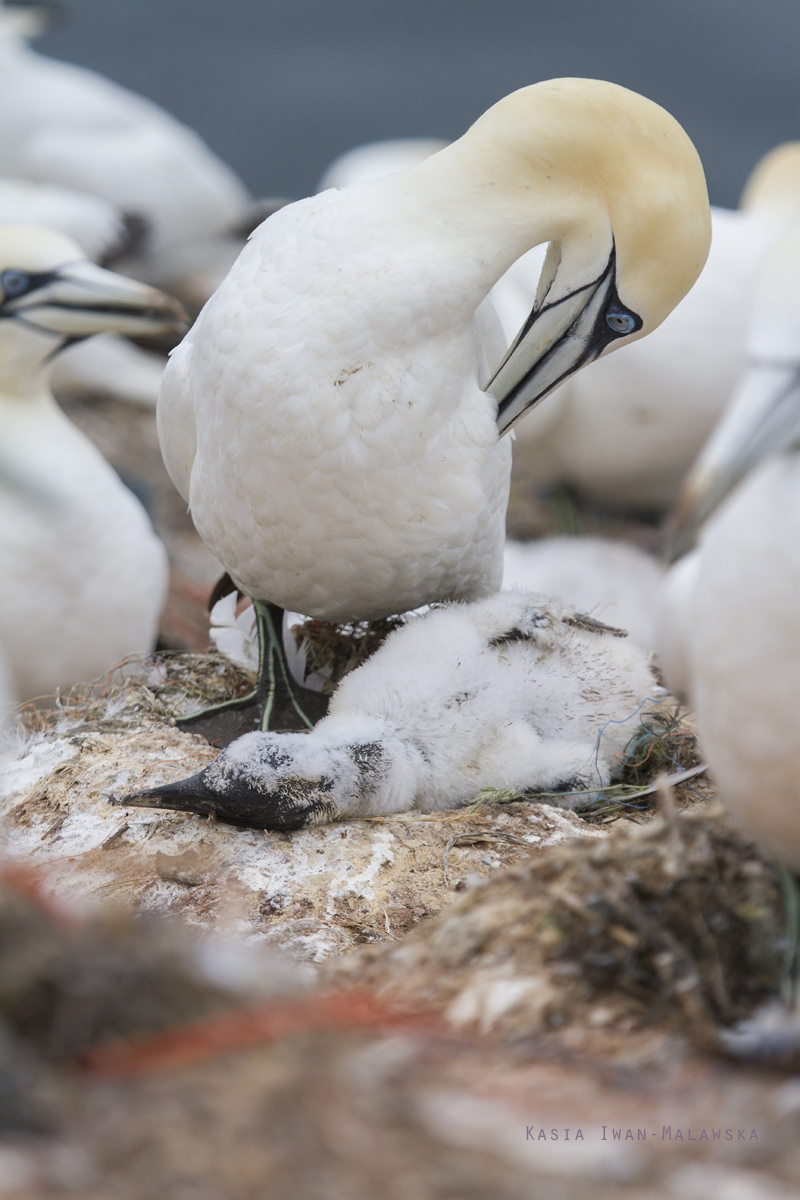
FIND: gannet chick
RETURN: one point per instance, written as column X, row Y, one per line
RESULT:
column 331, row 418
column 513, row 691
column 72, row 127
column 625, row 433
column 733, row 635
column 612, row 581
column 82, row 575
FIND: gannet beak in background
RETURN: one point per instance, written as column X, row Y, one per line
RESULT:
column 763, row 417
column 47, row 285
column 616, row 187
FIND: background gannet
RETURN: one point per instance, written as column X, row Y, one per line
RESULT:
column 70, row 126
column 82, row 575
column 614, row 582
column 514, row 691
column 732, row 621
column 625, row 433
column 109, row 364
column 376, row 160
column 94, row 223
column 331, row 417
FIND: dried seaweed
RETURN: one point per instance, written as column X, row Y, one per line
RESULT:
column 676, row 919
column 334, row 650
column 162, row 686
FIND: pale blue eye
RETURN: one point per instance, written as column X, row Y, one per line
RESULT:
column 14, row 283
column 619, row 320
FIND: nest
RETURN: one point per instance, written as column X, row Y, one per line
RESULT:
column 163, row 686
column 677, row 920
column 334, row 650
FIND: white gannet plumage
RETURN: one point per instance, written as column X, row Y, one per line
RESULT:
column 625, row 432
column 326, row 416
column 94, row 223
column 514, row 294
column 109, row 366
column 512, row 691
column 82, row 575
column 732, row 621
column 614, row 582
column 68, row 125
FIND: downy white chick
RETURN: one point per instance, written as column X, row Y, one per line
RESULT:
column 514, row 691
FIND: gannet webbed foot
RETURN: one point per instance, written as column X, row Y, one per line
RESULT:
column 277, row 703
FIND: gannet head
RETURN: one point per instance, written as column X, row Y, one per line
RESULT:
column 772, row 189
column 50, row 295
column 616, row 187
column 763, row 417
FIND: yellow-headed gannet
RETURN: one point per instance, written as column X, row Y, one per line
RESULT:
column 732, row 620
column 82, row 575
column 513, row 691
column 108, row 365
column 331, row 418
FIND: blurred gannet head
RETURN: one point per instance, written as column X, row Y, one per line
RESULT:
column 772, row 189
column 763, row 417
column 51, row 295
column 616, row 187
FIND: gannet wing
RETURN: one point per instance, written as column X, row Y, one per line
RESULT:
column 177, row 427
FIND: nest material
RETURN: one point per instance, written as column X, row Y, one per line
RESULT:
column 334, row 650
column 678, row 919
column 163, row 686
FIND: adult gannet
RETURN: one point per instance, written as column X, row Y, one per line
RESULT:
column 67, row 125
column 331, row 419
column 732, row 622
column 82, row 575
column 625, row 433
column 512, row 691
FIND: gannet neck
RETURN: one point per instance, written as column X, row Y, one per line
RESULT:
column 582, row 164
column 26, row 364
column 615, row 186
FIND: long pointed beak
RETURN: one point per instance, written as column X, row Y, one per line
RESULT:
column 763, row 419
column 81, row 298
column 185, row 795
column 293, row 804
column 556, row 341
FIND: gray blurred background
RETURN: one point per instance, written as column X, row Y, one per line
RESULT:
column 280, row 87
